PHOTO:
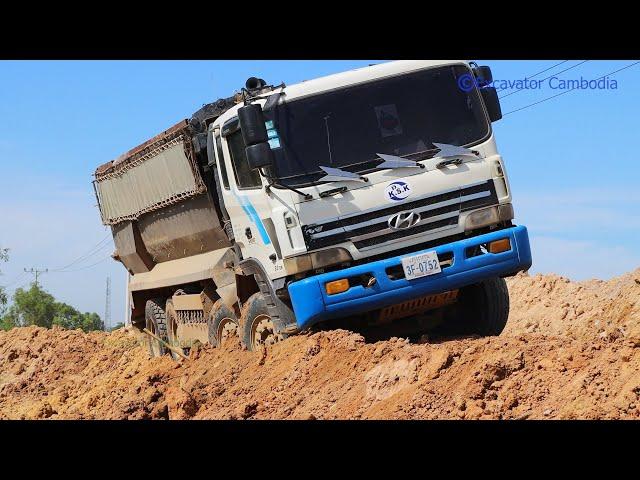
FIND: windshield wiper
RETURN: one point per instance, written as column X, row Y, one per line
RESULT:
column 339, row 175
column 444, row 150
column 393, row 161
column 447, row 151
column 272, row 182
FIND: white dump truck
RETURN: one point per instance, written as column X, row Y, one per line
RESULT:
column 372, row 198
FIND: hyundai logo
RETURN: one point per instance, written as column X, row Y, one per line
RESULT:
column 403, row 220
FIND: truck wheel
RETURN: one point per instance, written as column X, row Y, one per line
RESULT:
column 256, row 325
column 222, row 323
column 172, row 329
column 485, row 308
column 155, row 322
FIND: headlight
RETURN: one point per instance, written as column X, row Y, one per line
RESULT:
column 316, row 260
column 488, row 216
column 505, row 212
column 481, row 218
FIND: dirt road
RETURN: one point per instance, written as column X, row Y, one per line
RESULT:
column 570, row 350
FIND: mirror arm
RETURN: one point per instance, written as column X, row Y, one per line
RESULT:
column 273, row 182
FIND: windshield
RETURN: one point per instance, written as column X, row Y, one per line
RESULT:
column 397, row 116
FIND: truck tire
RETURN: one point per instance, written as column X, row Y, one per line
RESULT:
column 256, row 325
column 222, row 323
column 484, row 308
column 155, row 322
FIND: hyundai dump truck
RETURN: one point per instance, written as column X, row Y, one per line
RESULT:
column 371, row 197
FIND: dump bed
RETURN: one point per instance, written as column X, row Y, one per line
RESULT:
column 156, row 201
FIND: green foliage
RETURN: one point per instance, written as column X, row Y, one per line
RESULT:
column 32, row 307
column 116, row 326
column 69, row 318
column 37, row 307
column 6, row 323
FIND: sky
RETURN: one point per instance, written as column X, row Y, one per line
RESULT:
column 572, row 171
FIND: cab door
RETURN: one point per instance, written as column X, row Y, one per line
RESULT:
column 246, row 201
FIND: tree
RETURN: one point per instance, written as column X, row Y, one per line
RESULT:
column 117, row 326
column 38, row 307
column 32, row 307
column 70, row 318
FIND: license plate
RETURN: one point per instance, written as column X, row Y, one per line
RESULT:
column 421, row 265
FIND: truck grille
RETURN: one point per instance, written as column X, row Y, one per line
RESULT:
column 370, row 228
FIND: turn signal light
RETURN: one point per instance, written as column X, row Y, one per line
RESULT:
column 500, row 246
column 337, row 286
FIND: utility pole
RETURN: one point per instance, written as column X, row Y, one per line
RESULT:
column 36, row 272
column 107, row 307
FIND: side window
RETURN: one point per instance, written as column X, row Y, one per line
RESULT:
column 221, row 163
column 245, row 177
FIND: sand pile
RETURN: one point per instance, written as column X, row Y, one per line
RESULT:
column 570, row 350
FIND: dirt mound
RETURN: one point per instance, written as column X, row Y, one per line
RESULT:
column 560, row 357
column 70, row 374
column 554, row 305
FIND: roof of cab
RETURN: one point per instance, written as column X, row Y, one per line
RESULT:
column 350, row 77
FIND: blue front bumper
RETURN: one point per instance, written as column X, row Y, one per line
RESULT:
column 311, row 303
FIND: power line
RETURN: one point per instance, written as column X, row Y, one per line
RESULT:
column 571, row 89
column 546, row 78
column 85, row 267
column 15, row 280
column 536, row 74
column 22, row 286
column 101, row 245
column 95, row 249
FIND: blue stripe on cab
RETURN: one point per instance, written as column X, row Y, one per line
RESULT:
column 255, row 218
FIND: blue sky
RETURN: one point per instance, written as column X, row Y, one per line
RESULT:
column 570, row 162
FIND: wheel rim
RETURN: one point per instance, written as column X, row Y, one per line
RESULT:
column 263, row 332
column 226, row 330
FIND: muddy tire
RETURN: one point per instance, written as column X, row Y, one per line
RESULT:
column 155, row 321
column 483, row 309
column 256, row 325
column 222, row 323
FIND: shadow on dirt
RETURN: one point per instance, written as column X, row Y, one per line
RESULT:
column 432, row 328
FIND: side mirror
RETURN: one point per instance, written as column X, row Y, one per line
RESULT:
column 483, row 75
column 259, row 155
column 251, row 122
column 254, row 133
column 490, row 97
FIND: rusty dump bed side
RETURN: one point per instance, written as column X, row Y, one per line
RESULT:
column 160, row 172
column 155, row 199
column 110, row 166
